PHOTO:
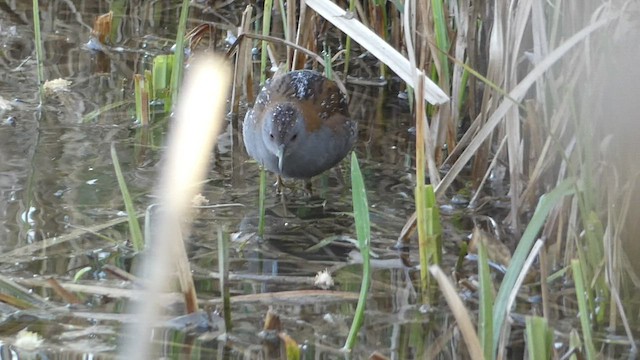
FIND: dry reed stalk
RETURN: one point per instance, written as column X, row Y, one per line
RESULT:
column 517, row 93
column 424, row 137
column 494, row 74
column 243, row 66
column 378, row 47
column 298, row 61
column 515, row 32
column 461, row 18
column 459, row 311
column 291, row 33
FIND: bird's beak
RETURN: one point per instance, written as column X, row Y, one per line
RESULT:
column 280, row 155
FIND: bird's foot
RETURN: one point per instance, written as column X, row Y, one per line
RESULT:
column 281, row 185
column 308, row 188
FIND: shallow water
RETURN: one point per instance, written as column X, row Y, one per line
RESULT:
column 57, row 180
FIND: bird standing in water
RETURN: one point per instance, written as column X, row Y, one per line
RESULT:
column 299, row 126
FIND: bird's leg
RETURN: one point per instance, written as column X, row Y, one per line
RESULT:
column 308, row 187
column 340, row 175
column 279, row 185
column 283, row 200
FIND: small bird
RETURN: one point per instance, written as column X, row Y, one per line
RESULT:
column 299, row 126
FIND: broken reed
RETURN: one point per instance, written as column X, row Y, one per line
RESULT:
column 154, row 86
column 141, row 93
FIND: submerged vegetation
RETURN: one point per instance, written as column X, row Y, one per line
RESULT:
column 521, row 113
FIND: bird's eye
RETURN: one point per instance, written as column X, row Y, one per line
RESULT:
column 294, row 137
column 271, row 135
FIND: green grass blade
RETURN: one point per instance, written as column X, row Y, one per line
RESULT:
column 161, row 75
column 134, row 225
column 546, row 203
column 485, row 316
column 39, row 48
column 261, row 200
column 80, row 273
column 176, row 74
column 434, row 226
column 142, row 99
column 430, row 248
column 347, row 47
column 575, row 343
column 328, row 68
column 591, row 255
column 22, row 297
column 442, row 40
column 285, row 24
column 223, row 269
column 539, row 338
column 266, row 29
column 95, row 113
column 585, row 323
column 363, row 232
column 463, row 90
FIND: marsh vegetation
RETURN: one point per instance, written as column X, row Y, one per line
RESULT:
column 492, row 188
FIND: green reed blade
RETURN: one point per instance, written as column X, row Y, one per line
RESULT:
column 347, row 46
column 178, row 67
column 585, row 321
column 363, row 232
column 545, row 205
column 539, row 338
column 161, row 75
column 261, row 201
column 134, row 225
column 39, row 49
column 223, row 269
column 442, row 39
column 485, row 316
column 266, row 29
